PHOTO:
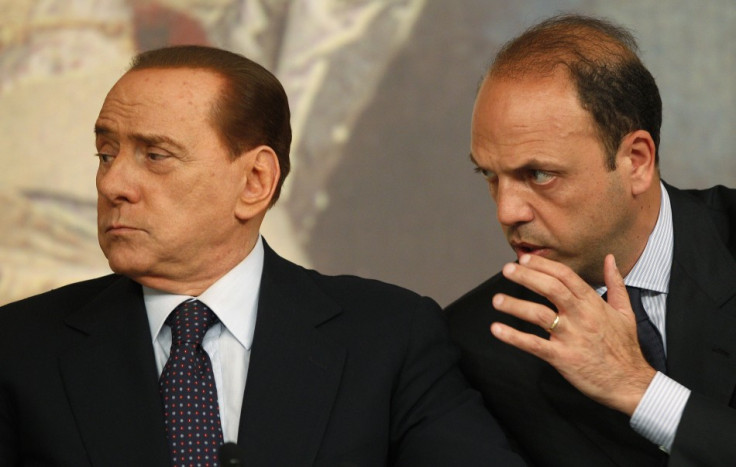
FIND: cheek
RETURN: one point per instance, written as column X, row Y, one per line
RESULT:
column 570, row 221
column 595, row 219
column 207, row 206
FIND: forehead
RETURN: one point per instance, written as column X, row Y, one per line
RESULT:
column 533, row 116
column 531, row 100
column 161, row 96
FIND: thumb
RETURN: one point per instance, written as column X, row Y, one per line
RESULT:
column 618, row 297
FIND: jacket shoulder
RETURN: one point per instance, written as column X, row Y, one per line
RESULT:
column 718, row 203
column 353, row 291
column 718, row 197
column 348, row 291
column 480, row 297
column 57, row 301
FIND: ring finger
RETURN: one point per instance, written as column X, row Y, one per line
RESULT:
column 534, row 313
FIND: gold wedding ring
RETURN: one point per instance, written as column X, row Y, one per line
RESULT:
column 554, row 324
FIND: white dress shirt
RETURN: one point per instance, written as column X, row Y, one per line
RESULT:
column 234, row 299
column 660, row 410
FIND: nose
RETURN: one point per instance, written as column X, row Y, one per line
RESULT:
column 117, row 181
column 512, row 203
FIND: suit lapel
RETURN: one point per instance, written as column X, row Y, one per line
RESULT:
column 111, row 381
column 294, row 372
column 701, row 306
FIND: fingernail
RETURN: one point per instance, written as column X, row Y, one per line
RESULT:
column 509, row 268
column 497, row 300
column 524, row 259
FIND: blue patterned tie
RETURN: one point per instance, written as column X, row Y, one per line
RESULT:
column 650, row 340
column 188, row 389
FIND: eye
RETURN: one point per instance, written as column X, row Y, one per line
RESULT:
column 104, row 158
column 155, row 156
column 540, row 177
column 487, row 174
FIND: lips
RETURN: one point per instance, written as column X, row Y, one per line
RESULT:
column 119, row 228
column 521, row 248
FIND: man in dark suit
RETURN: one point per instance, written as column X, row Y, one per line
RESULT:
column 297, row 367
column 565, row 130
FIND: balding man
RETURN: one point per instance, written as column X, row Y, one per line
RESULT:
column 565, row 130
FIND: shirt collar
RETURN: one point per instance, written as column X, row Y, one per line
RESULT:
column 652, row 269
column 233, row 298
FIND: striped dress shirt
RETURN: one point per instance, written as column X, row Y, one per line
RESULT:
column 658, row 413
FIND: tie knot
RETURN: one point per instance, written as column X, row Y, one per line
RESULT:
column 190, row 321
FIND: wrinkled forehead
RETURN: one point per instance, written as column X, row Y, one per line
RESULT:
column 180, row 87
column 163, row 93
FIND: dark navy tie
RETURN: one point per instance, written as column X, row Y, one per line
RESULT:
column 188, row 390
column 650, row 340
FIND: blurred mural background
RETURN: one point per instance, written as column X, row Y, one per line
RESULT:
column 381, row 95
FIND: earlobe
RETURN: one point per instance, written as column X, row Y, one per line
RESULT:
column 261, row 175
column 641, row 153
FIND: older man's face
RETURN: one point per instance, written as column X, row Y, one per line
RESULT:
column 545, row 165
column 167, row 187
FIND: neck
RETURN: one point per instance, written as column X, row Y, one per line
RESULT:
column 194, row 285
column 647, row 214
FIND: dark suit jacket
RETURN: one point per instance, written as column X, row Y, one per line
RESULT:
column 555, row 425
column 343, row 371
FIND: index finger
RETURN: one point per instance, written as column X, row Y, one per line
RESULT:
column 559, row 271
column 555, row 281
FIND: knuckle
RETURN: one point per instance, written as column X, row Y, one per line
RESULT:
column 538, row 347
column 558, row 289
column 542, row 316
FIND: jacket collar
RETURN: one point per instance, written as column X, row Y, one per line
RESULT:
column 701, row 306
column 295, row 370
column 110, row 379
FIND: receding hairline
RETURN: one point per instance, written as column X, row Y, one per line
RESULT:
column 222, row 78
column 562, row 41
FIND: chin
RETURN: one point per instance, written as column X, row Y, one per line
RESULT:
column 127, row 266
column 593, row 275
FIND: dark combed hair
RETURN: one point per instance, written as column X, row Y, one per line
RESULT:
column 252, row 108
column 601, row 59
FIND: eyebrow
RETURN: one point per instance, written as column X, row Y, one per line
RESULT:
column 148, row 139
column 532, row 164
column 535, row 163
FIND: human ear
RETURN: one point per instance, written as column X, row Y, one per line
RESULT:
column 260, row 177
column 640, row 151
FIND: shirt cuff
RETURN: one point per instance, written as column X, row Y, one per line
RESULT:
column 659, row 412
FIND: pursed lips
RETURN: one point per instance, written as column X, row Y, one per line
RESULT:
column 119, row 228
